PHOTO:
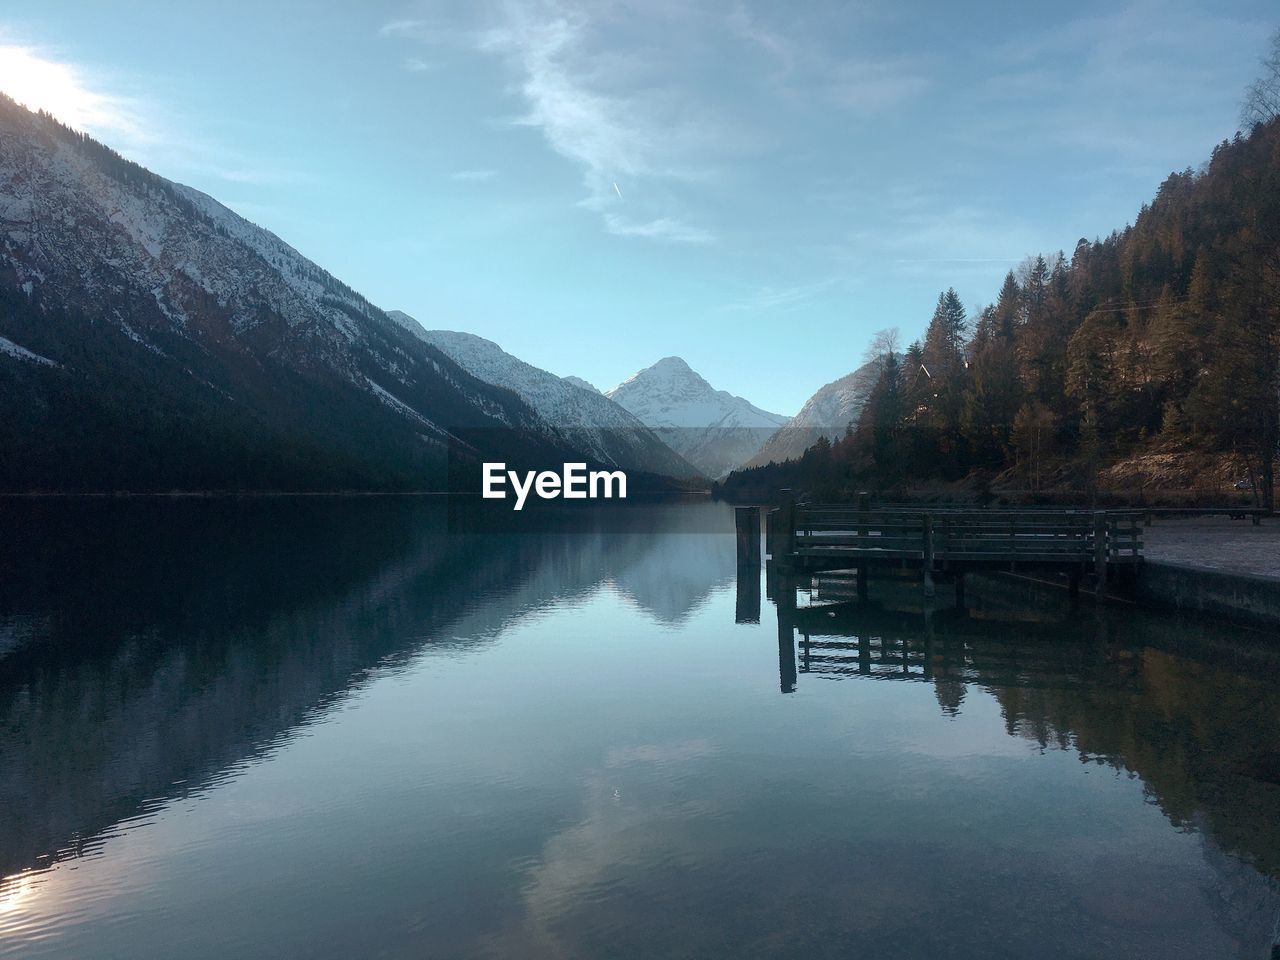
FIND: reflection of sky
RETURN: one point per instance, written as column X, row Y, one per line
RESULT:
column 600, row 782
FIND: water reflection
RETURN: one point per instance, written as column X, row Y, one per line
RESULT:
column 334, row 729
column 153, row 648
column 1186, row 705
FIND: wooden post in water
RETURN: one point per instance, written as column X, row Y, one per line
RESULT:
column 1100, row 551
column 927, row 562
column 864, row 529
column 747, row 525
column 785, row 536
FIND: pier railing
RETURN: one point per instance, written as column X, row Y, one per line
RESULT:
column 966, row 535
column 949, row 542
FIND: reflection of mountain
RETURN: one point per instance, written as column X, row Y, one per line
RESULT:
column 677, row 573
column 1155, row 696
column 154, row 648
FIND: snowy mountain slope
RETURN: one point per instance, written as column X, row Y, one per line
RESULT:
column 584, row 384
column 827, row 413
column 712, row 429
column 205, row 343
column 587, row 420
column 18, row 352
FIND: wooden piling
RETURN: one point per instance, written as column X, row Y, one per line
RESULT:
column 1100, row 551
column 927, row 561
column 786, row 533
column 864, row 529
column 747, row 525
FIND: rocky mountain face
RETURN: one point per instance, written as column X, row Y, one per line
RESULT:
column 712, row 429
column 153, row 339
column 583, row 417
column 827, row 413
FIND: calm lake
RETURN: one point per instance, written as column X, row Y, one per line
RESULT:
column 324, row 728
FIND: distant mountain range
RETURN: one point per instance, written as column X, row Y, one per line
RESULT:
column 156, row 340
column 152, row 339
column 584, row 418
column 712, row 429
column 828, row 413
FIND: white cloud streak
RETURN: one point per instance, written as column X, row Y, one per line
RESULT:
column 781, row 297
column 591, row 108
column 662, row 228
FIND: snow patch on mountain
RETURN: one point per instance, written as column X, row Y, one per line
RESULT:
column 10, row 349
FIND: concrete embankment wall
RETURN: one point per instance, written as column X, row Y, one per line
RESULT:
column 1234, row 596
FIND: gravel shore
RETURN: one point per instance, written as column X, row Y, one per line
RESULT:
column 1217, row 543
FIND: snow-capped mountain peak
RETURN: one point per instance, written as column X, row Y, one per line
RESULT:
column 713, row 429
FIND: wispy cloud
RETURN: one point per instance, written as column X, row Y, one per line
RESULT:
column 1106, row 84
column 473, row 175
column 237, row 169
column 785, row 297
column 662, row 228
column 610, row 113
column 421, row 29
column 874, row 85
column 807, row 66
column 618, row 134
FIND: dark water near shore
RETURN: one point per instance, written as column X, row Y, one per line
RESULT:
column 325, row 728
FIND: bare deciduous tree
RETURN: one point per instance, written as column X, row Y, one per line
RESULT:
column 1262, row 97
column 882, row 343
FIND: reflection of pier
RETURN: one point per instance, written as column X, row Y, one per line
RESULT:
column 874, row 639
column 841, row 631
column 1177, row 703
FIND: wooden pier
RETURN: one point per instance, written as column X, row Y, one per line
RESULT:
column 945, row 543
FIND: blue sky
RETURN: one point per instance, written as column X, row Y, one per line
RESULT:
column 789, row 178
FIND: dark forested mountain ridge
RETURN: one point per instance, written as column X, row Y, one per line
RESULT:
column 150, row 338
column 1148, row 359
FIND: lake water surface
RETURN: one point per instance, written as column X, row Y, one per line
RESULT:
column 323, row 728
